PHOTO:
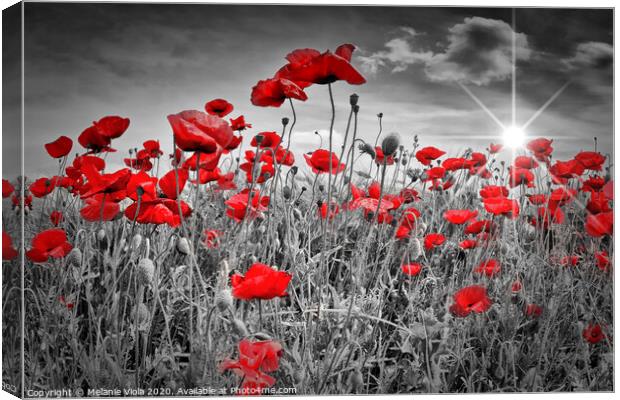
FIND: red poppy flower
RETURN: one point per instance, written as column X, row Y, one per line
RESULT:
column 206, row 161
column 593, row 333
column 433, row 239
column 96, row 209
column 255, row 359
column 114, row 184
column 140, row 164
column 493, row 191
column 370, row 204
column 570, row 261
column 206, row 176
column 477, row 160
column 495, row 148
column 263, row 172
column 238, row 204
column 602, row 260
column 412, row 269
column 91, row 139
column 234, row 143
column 239, row 124
column 43, row 186
column 152, row 148
column 516, row 286
column 333, row 210
column 548, row 216
column 50, row 243
column 525, row 162
column 169, row 185
column 537, row 199
column 476, row 227
column 17, row 201
column 468, row 244
column 541, row 148
column 520, row 176
column 8, row 251
column 533, row 310
column 219, row 107
column 141, row 185
column 158, row 212
column 260, row 282
column 308, row 66
column 409, row 195
column 598, row 203
column 470, row 299
column 459, row 217
column 454, row 164
column 434, row 174
column 112, row 126
column 198, row 131
column 266, row 139
column 593, row 184
column 7, row 188
column 56, row 217
column 211, row 238
column 380, row 158
column 226, row 182
column 273, row 92
column 59, row 147
column 502, row 206
column 428, row 154
column 489, row 268
column 283, row 156
column 320, row 161
column 600, row 224
column 561, row 171
column 591, row 160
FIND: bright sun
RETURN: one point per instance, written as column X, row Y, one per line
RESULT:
column 514, row 137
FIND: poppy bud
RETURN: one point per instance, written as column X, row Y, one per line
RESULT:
column 145, row 272
column 285, row 121
column 136, row 241
column 74, row 258
column 239, row 328
column 321, row 188
column 404, row 160
column 223, row 300
column 390, row 144
column 367, row 148
column 183, row 246
column 356, row 380
column 294, row 170
column 356, row 109
column 415, row 249
column 286, row 192
column 380, row 115
column 353, row 99
column 101, row 234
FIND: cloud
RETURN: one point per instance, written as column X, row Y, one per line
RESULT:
column 399, row 54
column 479, row 51
column 592, row 67
column 591, row 55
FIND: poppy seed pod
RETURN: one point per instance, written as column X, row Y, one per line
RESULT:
column 223, row 300
column 356, row 109
column 415, row 249
column 75, row 257
column 239, row 328
column 390, row 144
column 367, row 148
column 285, row 121
column 183, row 246
column 145, row 272
column 353, row 99
column 140, row 191
column 286, row 192
column 136, row 241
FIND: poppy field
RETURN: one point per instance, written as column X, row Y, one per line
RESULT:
column 381, row 266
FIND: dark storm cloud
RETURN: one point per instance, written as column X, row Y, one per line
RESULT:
column 84, row 61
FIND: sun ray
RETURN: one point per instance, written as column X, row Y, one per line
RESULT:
column 547, row 104
column 481, row 104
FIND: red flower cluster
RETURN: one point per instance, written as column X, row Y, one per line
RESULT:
column 256, row 359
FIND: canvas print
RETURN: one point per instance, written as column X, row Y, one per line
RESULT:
column 236, row 199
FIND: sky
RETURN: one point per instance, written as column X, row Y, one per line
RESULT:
column 141, row 61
